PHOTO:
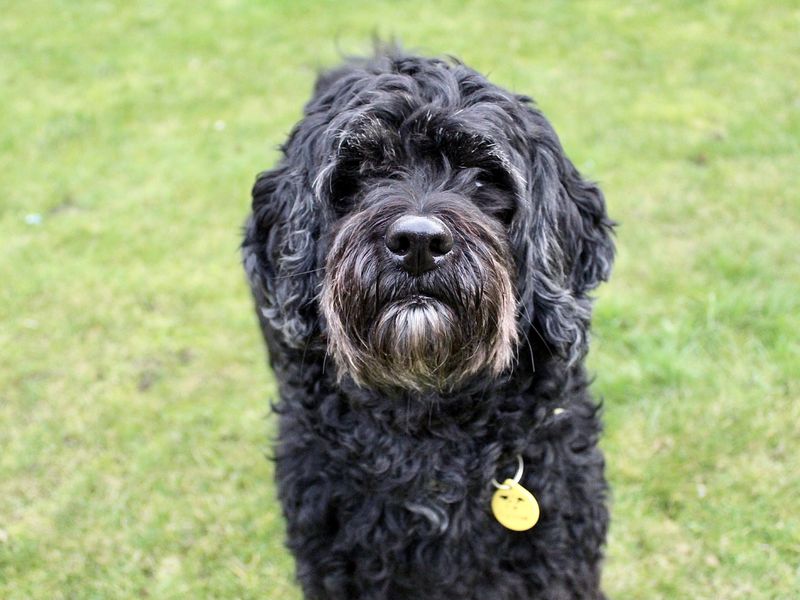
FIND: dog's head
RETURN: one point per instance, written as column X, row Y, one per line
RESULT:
column 422, row 226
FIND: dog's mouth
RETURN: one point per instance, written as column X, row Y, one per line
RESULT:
column 431, row 292
column 419, row 336
column 413, row 324
column 418, row 318
column 420, row 300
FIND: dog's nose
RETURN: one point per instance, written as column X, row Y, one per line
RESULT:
column 418, row 242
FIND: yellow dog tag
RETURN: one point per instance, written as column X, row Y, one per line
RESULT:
column 514, row 506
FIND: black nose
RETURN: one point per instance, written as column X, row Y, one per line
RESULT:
column 418, row 242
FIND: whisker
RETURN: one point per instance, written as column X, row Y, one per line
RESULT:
column 300, row 273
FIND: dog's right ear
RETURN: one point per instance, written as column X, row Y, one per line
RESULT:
column 280, row 255
column 280, row 249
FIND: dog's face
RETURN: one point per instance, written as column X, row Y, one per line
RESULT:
column 423, row 223
column 418, row 291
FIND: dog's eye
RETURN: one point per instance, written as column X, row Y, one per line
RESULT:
column 493, row 176
column 343, row 192
column 494, row 193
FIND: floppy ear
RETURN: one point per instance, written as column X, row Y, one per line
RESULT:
column 280, row 253
column 587, row 231
column 280, row 249
column 566, row 243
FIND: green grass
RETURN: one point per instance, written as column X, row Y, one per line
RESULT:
column 133, row 394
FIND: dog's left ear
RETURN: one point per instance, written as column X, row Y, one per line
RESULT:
column 587, row 230
column 569, row 223
column 565, row 241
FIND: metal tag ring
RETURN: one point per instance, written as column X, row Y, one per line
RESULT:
column 517, row 476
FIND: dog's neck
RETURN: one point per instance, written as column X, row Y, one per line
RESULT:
column 522, row 402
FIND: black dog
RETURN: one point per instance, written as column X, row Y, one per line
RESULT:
column 420, row 260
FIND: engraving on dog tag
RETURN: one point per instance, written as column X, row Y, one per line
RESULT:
column 515, row 507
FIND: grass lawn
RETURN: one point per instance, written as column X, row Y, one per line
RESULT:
column 133, row 395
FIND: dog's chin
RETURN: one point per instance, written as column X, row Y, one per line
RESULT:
column 414, row 338
column 420, row 342
column 417, row 343
column 415, row 328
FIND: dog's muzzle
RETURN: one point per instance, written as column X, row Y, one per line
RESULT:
column 419, row 297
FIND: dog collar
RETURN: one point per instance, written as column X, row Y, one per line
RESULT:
column 513, row 506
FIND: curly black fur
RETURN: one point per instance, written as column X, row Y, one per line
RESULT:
column 385, row 459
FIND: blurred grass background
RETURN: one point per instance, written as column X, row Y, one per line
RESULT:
column 133, row 394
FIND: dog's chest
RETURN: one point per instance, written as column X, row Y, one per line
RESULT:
column 414, row 511
column 430, row 490
column 427, row 484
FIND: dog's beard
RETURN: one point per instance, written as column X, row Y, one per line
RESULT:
column 417, row 338
column 387, row 329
